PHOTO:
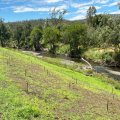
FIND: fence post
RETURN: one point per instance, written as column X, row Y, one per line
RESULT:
column 107, row 105
column 27, row 87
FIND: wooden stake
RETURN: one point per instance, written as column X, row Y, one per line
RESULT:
column 27, row 87
column 107, row 105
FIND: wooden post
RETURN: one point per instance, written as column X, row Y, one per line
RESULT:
column 27, row 87
column 107, row 105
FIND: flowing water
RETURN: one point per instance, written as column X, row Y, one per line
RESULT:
column 110, row 71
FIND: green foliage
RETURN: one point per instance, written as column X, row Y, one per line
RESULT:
column 117, row 57
column 36, row 36
column 64, row 49
column 75, row 34
column 4, row 34
column 107, row 57
column 51, row 36
column 17, row 35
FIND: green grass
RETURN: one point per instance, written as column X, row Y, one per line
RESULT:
column 54, row 91
column 100, row 55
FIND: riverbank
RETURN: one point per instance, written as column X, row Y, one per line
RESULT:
column 105, row 57
column 78, row 64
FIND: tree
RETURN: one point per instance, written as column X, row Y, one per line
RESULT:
column 56, row 16
column 100, row 20
column 36, row 36
column 51, row 36
column 26, row 35
column 115, row 38
column 75, row 35
column 17, row 35
column 90, row 14
column 4, row 34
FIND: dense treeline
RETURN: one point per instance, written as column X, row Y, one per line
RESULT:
column 57, row 34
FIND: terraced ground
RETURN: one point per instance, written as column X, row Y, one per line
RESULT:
column 34, row 89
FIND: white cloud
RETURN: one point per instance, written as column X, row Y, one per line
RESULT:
column 116, row 12
column 29, row 9
column 18, row 9
column 92, row 2
column 76, row 5
column 101, row 1
column 78, row 17
column 84, row 9
column 53, row 1
column 113, row 4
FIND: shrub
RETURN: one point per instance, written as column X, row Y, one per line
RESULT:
column 107, row 57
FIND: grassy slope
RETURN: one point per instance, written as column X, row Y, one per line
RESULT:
column 53, row 92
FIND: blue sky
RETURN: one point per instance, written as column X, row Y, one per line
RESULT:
column 16, row 10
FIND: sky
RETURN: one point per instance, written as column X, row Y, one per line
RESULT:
column 17, row 10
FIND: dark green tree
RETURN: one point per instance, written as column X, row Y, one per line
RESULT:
column 4, row 34
column 17, row 35
column 26, row 35
column 76, row 36
column 36, row 38
column 51, row 37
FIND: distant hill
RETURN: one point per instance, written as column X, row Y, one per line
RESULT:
column 37, row 22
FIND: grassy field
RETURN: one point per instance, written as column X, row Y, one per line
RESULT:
column 35, row 89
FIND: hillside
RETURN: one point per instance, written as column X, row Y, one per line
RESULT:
column 35, row 89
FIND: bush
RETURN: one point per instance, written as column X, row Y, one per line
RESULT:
column 107, row 57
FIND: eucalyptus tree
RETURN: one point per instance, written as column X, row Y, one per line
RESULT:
column 91, row 12
column 57, row 16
